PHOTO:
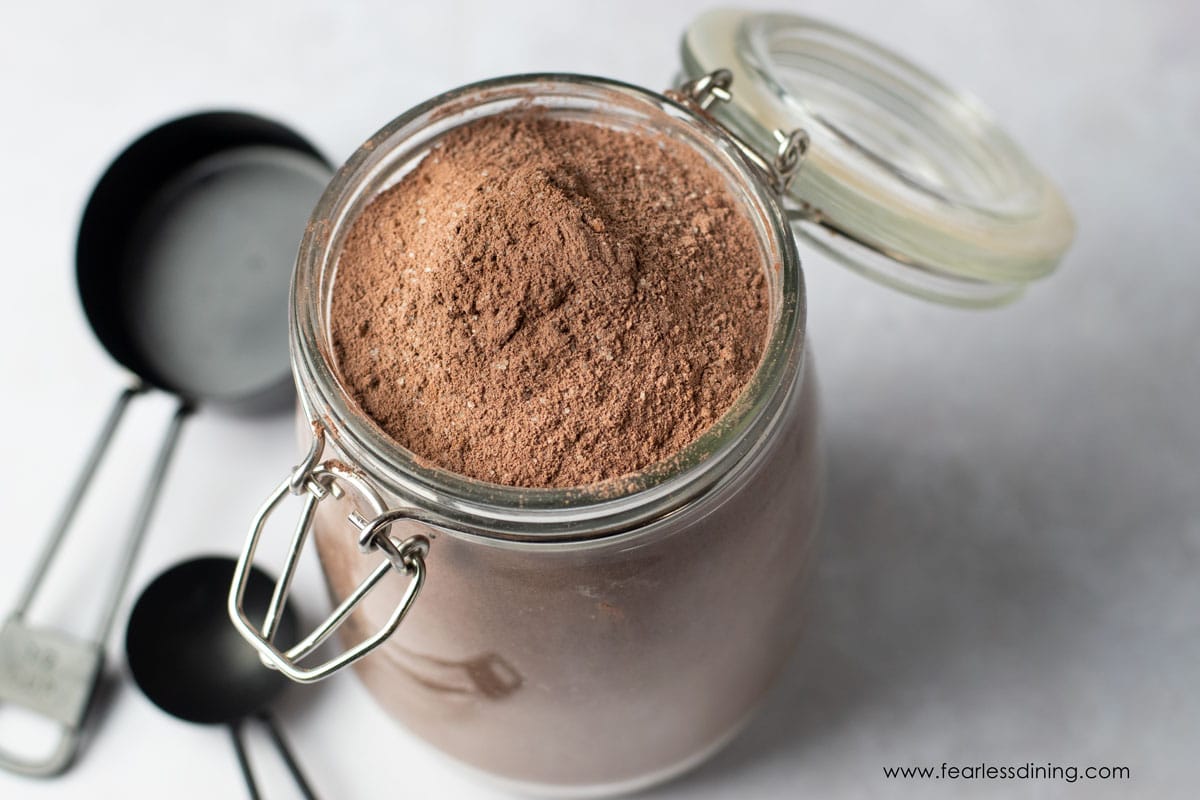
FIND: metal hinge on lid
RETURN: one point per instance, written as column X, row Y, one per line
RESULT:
column 780, row 170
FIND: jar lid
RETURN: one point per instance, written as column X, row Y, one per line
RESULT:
column 903, row 179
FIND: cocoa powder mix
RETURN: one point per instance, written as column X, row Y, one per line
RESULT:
column 549, row 303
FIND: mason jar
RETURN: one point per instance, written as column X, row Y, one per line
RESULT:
column 596, row 639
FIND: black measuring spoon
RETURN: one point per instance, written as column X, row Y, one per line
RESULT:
column 190, row 662
column 183, row 262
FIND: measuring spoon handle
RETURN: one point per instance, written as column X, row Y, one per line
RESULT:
column 285, row 752
column 54, row 674
column 75, row 498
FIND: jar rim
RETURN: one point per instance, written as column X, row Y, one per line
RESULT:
column 478, row 508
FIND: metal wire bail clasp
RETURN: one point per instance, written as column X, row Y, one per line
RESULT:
column 781, row 169
column 316, row 481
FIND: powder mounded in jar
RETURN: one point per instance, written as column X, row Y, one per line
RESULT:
column 550, row 303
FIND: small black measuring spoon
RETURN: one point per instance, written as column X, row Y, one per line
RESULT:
column 190, row 662
column 183, row 261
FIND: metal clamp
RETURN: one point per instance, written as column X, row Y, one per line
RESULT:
column 780, row 170
column 314, row 482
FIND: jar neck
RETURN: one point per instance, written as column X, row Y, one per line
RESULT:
column 477, row 508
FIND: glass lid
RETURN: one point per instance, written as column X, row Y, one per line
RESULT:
column 904, row 179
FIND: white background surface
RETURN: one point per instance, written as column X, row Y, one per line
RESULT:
column 1011, row 566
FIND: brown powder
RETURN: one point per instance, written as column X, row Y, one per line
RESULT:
column 550, row 303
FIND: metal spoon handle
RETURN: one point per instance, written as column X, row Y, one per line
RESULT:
column 54, row 674
column 75, row 498
column 288, row 758
column 285, row 752
column 239, row 747
column 133, row 540
column 137, row 532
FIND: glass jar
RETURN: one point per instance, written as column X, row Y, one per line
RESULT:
column 598, row 639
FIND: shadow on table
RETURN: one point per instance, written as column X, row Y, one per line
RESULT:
column 928, row 564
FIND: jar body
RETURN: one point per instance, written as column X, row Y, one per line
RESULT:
column 610, row 665
column 589, row 640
